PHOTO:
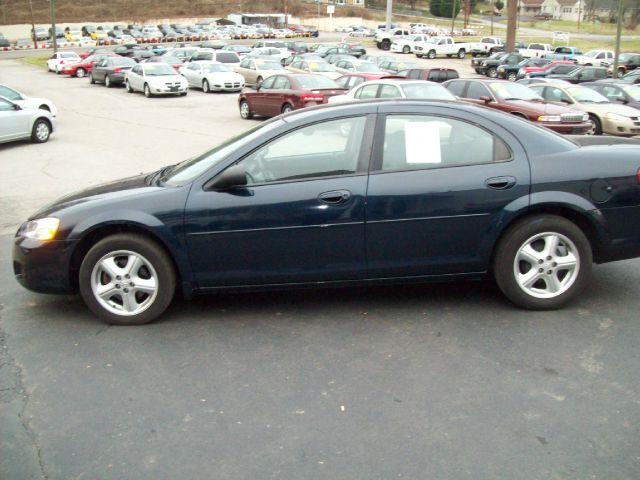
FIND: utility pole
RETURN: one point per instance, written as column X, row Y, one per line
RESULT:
column 453, row 16
column 493, row 9
column 389, row 14
column 318, row 1
column 512, row 17
column 618, row 34
column 579, row 13
column 286, row 17
column 54, row 33
column 33, row 27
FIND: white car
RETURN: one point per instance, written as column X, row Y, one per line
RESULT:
column 406, row 44
column 18, row 123
column 596, row 58
column 155, row 79
column 278, row 54
column 419, row 89
column 346, row 66
column 27, row 102
column 212, row 77
column 62, row 58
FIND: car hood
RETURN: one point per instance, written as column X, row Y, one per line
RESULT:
column 165, row 78
column 118, row 188
column 224, row 77
column 542, row 108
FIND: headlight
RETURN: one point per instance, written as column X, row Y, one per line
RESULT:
column 501, row 69
column 42, row 229
column 549, row 118
column 617, row 118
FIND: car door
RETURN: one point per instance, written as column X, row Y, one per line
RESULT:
column 134, row 76
column 440, row 182
column 278, row 94
column 259, row 101
column 300, row 218
column 193, row 74
column 14, row 121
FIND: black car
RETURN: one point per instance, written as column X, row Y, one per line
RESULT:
column 326, row 51
column 127, row 49
column 490, row 66
column 557, row 69
column 110, row 70
column 478, row 64
column 297, row 47
column 354, row 49
column 581, row 75
column 510, row 72
column 625, row 93
column 626, row 63
column 355, row 194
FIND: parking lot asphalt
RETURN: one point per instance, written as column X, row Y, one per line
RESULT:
column 441, row 381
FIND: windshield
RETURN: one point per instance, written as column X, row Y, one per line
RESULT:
column 215, row 67
column 158, row 69
column 321, row 67
column 633, row 91
column 367, row 68
column 269, row 66
column 9, row 93
column 592, row 53
column 123, row 62
column 312, row 82
column 190, row 169
column 586, row 95
column 625, row 56
column 427, row 91
column 513, row 91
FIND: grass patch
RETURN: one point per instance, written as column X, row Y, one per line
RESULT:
column 586, row 44
column 36, row 61
column 585, row 27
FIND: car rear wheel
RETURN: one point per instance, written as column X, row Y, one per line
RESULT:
column 245, row 110
column 512, row 77
column 492, row 72
column 432, row 54
column 107, row 82
column 385, row 44
column 406, row 49
column 286, row 108
column 596, row 125
column 91, row 79
column 41, row 131
column 147, row 91
column 81, row 73
column 127, row 85
column 127, row 279
column 461, row 53
column 542, row 262
column 205, row 87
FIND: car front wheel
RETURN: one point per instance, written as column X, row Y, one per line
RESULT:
column 127, row 279
column 542, row 262
column 147, row 91
column 128, row 87
column 205, row 86
column 107, row 81
column 41, row 131
column 81, row 73
column 245, row 110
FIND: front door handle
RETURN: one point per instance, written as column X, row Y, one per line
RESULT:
column 500, row 183
column 335, row 197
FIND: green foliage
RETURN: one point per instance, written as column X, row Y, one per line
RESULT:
column 445, row 8
column 499, row 4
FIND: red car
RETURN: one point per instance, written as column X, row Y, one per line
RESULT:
column 283, row 93
column 82, row 68
column 522, row 102
column 524, row 70
column 352, row 80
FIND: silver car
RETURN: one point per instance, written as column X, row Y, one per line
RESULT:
column 23, row 123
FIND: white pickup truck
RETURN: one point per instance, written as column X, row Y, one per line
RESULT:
column 535, row 50
column 406, row 44
column 384, row 38
column 447, row 46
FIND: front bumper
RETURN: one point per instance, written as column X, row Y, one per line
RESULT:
column 163, row 90
column 568, row 128
column 622, row 128
column 396, row 48
column 43, row 267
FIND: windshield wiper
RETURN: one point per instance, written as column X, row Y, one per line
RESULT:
column 154, row 177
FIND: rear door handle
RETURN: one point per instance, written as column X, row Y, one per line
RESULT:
column 335, row 196
column 500, row 183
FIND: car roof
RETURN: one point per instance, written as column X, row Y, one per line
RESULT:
column 207, row 62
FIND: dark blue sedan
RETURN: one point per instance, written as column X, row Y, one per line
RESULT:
column 362, row 193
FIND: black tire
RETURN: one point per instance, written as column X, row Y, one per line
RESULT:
column 127, row 86
column 183, row 94
column 286, row 108
column 478, row 71
column 385, row 44
column 205, row 86
column 597, row 124
column 81, row 73
column 431, row 55
column 91, row 80
column 492, row 72
column 621, row 72
column 245, row 110
column 107, row 81
column 152, row 252
column 506, row 251
column 406, row 49
column 462, row 53
column 147, row 90
column 512, row 76
column 41, row 131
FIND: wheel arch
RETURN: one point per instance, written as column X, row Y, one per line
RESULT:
column 579, row 216
column 94, row 234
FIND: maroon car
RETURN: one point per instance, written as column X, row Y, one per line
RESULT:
column 283, row 93
column 521, row 101
column 439, row 75
column 351, row 80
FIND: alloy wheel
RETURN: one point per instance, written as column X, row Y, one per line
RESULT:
column 42, row 131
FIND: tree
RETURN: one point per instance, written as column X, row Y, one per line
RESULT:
column 444, row 8
column 499, row 4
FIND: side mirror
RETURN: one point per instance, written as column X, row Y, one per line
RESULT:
column 485, row 99
column 17, row 107
column 235, row 176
